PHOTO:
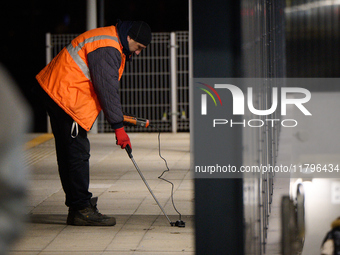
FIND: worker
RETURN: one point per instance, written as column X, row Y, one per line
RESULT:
column 331, row 243
column 76, row 85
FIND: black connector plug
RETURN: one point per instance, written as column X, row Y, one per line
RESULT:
column 179, row 223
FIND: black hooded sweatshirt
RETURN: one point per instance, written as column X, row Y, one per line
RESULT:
column 104, row 64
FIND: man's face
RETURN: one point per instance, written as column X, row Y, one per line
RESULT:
column 135, row 47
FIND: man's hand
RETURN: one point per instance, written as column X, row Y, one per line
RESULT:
column 122, row 138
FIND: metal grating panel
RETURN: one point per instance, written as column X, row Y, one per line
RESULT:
column 145, row 85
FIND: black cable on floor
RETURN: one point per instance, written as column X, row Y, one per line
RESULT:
column 167, row 170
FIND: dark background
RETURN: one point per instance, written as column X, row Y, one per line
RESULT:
column 25, row 23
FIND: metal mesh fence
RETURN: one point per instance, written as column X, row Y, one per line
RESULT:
column 182, row 39
column 58, row 42
column 146, row 86
column 312, row 39
column 263, row 51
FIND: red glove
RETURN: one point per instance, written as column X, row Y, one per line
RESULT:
column 122, row 138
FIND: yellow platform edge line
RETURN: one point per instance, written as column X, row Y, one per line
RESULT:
column 38, row 140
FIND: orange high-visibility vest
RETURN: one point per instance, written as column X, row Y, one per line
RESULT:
column 66, row 79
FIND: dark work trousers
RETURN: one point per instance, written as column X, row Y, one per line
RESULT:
column 72, row 155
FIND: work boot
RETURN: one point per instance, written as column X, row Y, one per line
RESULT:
column 89, row 216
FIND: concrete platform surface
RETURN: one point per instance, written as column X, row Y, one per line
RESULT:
column 141, row 227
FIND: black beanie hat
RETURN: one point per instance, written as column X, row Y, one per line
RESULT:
column 140, row 32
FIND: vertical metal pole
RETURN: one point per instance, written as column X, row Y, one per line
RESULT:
column 48, row 60
column 173, row 60
column 91, row 23
column 91, row 12
column 101, row 23
column 191, row 88
column 48, row 48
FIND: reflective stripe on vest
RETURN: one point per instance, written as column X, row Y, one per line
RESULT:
column 73, row 51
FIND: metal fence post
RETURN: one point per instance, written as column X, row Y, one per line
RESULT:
column 48, row 60
column 173, row 71
column 91, row 23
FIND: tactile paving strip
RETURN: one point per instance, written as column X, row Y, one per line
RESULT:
column 39, row 152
